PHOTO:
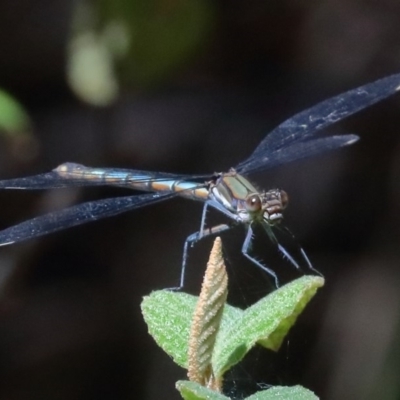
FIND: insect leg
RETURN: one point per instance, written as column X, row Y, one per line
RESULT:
column 191, row 240
column 303, row 253
column 245, row 249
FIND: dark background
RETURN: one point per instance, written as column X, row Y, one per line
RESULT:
column 200, row 84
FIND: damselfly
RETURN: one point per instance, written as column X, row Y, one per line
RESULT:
column 231, row 193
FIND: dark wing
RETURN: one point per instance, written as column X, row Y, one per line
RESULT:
column 77, row 215
column 304, row 125
column 79, row 175
column 297, row 151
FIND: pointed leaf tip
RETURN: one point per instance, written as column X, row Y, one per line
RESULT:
column 266, row 322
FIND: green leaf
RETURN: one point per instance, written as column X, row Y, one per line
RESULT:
column 168, row 316
column 194, row 391
column 13, row 118
column 284, row 393
column 267, row 322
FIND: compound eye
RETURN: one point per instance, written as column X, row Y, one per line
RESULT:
column 284, row 199
column 253, row 203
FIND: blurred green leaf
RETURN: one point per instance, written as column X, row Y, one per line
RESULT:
column 165, row 35
column 90, row 69
column 139, row 43
column 13, row 118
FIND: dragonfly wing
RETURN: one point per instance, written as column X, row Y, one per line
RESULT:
column 48, row 180
column 297, row 151
column 308, row 122
column 77, row 215
column 72, row 175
